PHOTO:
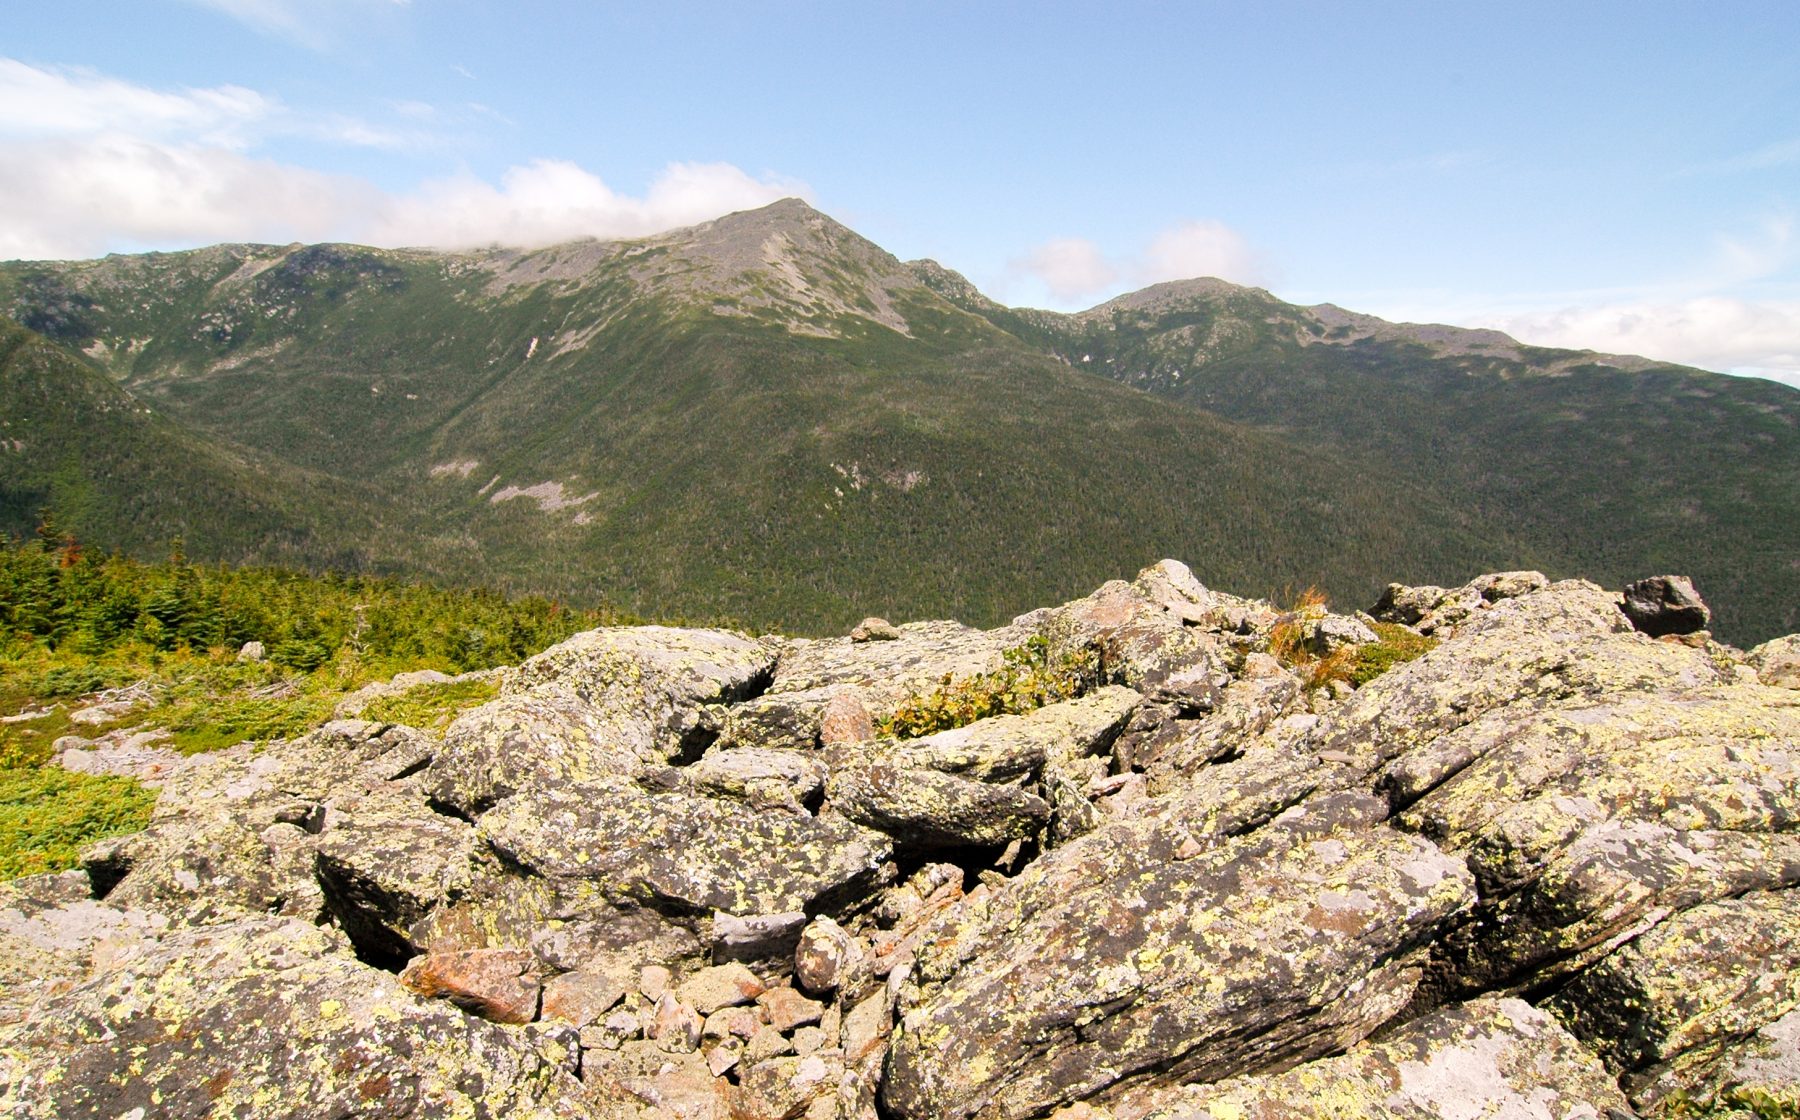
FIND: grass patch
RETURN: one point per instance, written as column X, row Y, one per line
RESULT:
column 1397, row 645
column 431, row 707
column 47, row 815
column 1030, row 676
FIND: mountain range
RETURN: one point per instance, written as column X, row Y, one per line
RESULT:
column 768, row 417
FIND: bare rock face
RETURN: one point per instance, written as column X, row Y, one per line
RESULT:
column 674, row 873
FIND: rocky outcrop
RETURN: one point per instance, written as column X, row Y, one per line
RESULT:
column 1545, row 869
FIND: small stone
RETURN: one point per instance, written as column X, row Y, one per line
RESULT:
column 808, row 1039
column 1665, row 605
column 845, row 720
column 756, row 936
column 653, row 981
column 1189, row 848
column 874, row 630
column 767, row 1043
column 677, row 1029
column 788, row 1009
column 725, row 985
column 491, row 983
column 824, row 952
column 865, row 1028
column 581, row 997
column 620, row 1027
column 731, row 1022
column 252, row 651
column 724, row 1056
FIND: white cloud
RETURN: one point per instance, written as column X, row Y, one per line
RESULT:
column 554, row 200
column 1072, row 269
column 1199, row 249
column 1711, row 332
column 82, row 197
column 90, row 164
column 38, row 101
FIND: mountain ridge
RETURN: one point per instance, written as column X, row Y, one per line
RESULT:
column 629, row 416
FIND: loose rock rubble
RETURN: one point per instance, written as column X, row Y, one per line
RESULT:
column 1547, row 869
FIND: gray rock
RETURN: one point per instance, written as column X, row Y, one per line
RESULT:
column 1665, row 605
column 1065, row 985
column 270, row 1017
column 1491, row 1057
column 875, row 630
column 751, row 937
column 1777, row 662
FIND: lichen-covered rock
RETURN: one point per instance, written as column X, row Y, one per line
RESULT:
column 925, row 810
column 1766, row 1064
column 384, row 866
column 1497, row 1059
column 595, row 707
column 695, row 854
column 762, row 778
column 272, row 1018
column 1110, row 960
column 1777, row 662
column 1661, row 1008
column 726, row 985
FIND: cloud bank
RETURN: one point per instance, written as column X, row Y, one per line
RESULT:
column 1075, row 269
column 90, row 164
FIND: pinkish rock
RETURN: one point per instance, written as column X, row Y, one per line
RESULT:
column 495, row 984
column 788, row 1009
column 581, row 997
column 845, row 720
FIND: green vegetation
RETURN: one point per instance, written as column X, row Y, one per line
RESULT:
column 432, row 706
column 1397, row 646
column 158, row 644
column 1289, row 643
column 47, row 815
column 1736, row 1103
column 1031, row 676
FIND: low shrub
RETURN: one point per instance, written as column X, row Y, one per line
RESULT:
column 1030, row 676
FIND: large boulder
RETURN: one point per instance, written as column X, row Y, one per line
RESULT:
column 1113, row 960
column 1499, row 1058
column 598, row 706
column 687, row 853
column 270, row 1018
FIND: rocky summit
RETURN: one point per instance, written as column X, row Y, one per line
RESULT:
column 1518, row 848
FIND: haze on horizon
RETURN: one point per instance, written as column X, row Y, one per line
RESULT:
column 1616, row 176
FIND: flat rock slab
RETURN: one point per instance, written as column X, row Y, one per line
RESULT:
column 594, row 707
column 1496, row 1058
column 697, row 854
column 270, row 1019
column 1109, row 959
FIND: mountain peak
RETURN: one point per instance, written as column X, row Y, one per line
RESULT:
column 1159, row 296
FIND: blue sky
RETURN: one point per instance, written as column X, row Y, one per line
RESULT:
column 1621, row 176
